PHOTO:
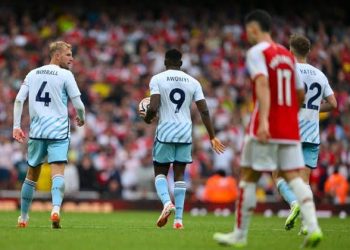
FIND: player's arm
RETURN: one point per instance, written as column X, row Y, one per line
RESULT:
column 153, row 108
column 300, row 88
column 17, row 132
column 330, row 104
column 300, row 97
column 205, row 116
column 258, row 72
column 74, row 94
column 154, row 100
column 80, row 108
column 328, row 95
column 262, row 90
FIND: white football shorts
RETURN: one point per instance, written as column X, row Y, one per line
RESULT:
column 271, row 156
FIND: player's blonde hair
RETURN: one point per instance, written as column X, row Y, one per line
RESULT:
column 300, row 45
column 58, row 45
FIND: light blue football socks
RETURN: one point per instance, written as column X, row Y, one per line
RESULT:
column 286, row 191
column 179, row 195
column 57, row 190
column 161, row 185
column 27, row 193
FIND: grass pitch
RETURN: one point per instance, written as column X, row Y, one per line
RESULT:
column 137, row 230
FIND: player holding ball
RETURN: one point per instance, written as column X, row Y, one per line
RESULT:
column 172, row 93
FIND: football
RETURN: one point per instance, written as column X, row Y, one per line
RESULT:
column 143, row 106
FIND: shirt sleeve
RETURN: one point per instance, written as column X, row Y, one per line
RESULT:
column 18, row 105
column 23, row 91
column 72, row 86
column 198, row 93
column 256, row 63
column 17, row 113
column 79, row 107
column 327, row 90
column 153, row 86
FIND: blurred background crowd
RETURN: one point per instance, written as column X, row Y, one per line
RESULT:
column 118, row 48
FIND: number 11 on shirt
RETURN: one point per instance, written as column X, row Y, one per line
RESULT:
column 284, row 83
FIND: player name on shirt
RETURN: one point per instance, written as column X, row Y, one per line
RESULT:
column 279, row 59
column 177, row 79
column 47, row 72
column 307, row 72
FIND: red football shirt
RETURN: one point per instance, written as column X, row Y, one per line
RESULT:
column 278, row 65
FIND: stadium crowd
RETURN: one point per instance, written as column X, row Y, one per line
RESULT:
column 117, row 51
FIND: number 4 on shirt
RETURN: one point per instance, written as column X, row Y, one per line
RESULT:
column 46, row 99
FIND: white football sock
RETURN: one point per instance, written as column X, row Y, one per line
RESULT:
column 245, row 207
column 307, row 205
column 56, row 209
column 177, row 221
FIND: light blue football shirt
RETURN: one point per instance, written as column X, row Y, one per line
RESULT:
column 48, row 88
column 317, row 88
column 177, row 92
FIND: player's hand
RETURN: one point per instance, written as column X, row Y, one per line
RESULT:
column 263, row 132
column 142, row 114
column 148, row 121
column 79, row 121
column 216, row 144
column 18, row 135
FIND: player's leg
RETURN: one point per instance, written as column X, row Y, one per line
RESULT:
column 57, row 192
column 179, row 193
column 290, row 157
column 246, row 200
column 288, row 195
column 283, row 188
column 183, row 156
column 57, row 158
column 36, row 155
column 27, row 193
column 310, row 153
column 245, row 206
column 305, row 175
column 161, row 182
column 307, row 208
column 260, row 157
column 163, row 156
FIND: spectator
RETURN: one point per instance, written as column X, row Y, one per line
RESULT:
column 87, row 174
column 71, row 177
column 6, row 165
column 337, row 187
column 220, row 188
column 145, row 176
column 114, row 186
